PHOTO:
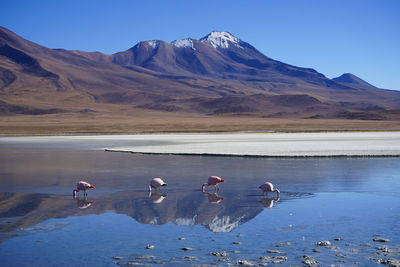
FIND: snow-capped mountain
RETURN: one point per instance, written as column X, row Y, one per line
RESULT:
column 221, row 40
column 219, row 73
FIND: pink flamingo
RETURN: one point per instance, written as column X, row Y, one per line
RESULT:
column 82, row 185
column 213, row 180
column 269, row 187
column 156, row 183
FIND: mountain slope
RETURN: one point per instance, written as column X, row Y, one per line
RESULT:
column 218, row 74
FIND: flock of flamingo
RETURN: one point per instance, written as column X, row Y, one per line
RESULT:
column 156, row 183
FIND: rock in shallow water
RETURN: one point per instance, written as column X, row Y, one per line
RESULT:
column 149, row 246
column 219, row 254
column 281, row 244
column 275, row 251
column 388, row 262
column 380, row 239
column 187, row 249
column 310, row 261
column 324, row 243
column 245, row 263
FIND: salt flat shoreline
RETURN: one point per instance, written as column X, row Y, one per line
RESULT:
column 354, row 144
column 321, row 144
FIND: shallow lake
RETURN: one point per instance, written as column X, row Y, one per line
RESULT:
column 352, row 200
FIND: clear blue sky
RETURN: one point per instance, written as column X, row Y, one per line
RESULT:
column 333, row 37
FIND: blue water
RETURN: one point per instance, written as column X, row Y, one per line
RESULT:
column 356, row 199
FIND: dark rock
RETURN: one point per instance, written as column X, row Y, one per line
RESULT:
column 118, row 258
column 341, row 256
column 310, row 261
column 324, row 243
column 388, row 262
column 181, row 238
column 187, row 249
column 275, row 251
column 383, row 248
column 274, row 259
column 236, row 243
column 316, row 250
column 219, row 254
column 338, row 239
column 380, row 239
column 245, row 263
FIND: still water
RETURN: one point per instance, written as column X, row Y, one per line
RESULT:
column 353, row 200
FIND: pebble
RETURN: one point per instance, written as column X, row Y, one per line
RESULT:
column 281, row 244
column 324, row 243
column 366, row 245
column 274, row 259
column 236, row 243
column 187, row 249
column 275, row 251
column 334, row 248
column 338, row 239
column 383, row 248
column 181, row 238
column 149, row 246
column 224, row 259
column 341, row 255
column 316, row 250
column 219, row 254
column 388, row 262
column 190, row 258
column 379, row 239
column 145, row 257
column 245, row 263
column 310, row 261
column 118, row 258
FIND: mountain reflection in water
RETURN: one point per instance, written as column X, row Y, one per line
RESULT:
column 188, row 208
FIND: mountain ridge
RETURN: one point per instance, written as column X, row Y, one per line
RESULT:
column 205, row 76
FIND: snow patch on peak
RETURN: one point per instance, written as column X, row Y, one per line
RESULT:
column 184, row 43
column 152, row 43
column 221, row 39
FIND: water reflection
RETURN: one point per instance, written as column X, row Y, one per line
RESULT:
column 268, row 202
column 186, row 208
column 156, row 197
column 214, row 198
column 84, row 203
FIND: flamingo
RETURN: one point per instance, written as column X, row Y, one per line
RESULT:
column 156, row 183
column 269, row 187
column 213, row 180
column 82, row 185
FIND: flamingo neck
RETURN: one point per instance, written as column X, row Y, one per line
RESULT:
column 203, row 186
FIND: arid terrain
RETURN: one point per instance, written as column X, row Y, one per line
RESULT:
column 217, row 83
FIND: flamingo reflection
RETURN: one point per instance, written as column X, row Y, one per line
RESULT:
column 156, row 197
column 214, row 198
column 268, row 202
column 84, row 203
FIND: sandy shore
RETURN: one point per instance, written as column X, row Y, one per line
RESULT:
column 232, row 144
column 271, row 144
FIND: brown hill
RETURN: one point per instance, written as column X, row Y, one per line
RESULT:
column 218, row 74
